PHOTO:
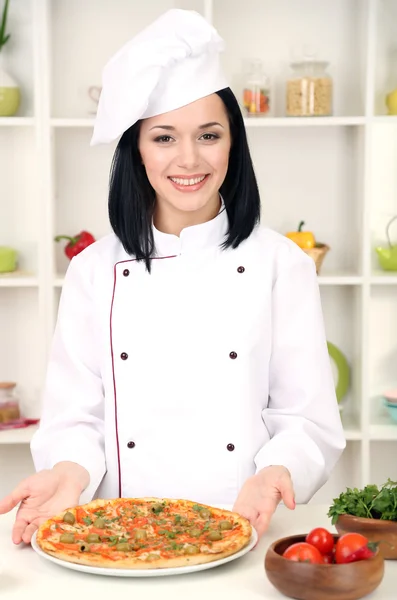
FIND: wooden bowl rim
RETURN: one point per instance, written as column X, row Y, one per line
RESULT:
column 298, row 538
column 367, row 521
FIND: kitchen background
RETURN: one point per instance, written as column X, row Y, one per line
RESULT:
column 323, row 135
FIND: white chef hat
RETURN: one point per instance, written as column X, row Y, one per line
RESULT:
column 172, row 62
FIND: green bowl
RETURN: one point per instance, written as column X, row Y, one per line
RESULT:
column 8, row 259
column 387, row 258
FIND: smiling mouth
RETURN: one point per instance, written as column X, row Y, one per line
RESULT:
column 188, row 181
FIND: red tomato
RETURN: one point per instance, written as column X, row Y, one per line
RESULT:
column 328, row 559
column 347, row 544
column 321, row 539
column 303, row 552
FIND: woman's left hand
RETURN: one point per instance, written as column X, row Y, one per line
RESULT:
column 261, row 494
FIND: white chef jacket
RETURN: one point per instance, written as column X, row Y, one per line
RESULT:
column 184, row 382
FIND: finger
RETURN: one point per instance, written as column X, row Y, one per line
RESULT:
column 247, row 511
column 266, row 511
column 18, row 529
column 262, row 523
column 29, row 531
column 10, row 501
column 287, row 492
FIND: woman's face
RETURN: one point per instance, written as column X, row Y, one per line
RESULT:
column 185, row 153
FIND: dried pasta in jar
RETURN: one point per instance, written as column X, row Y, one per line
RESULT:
column 309, row 91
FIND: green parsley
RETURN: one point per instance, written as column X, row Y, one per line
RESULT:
column 370, row 502
column 87, row 520
column 113, row 540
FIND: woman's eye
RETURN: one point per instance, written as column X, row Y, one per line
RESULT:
column 163, row 139
column 208, row 137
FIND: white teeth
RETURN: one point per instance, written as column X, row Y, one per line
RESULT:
column 187, row 181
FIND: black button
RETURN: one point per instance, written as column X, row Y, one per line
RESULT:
column 241, row 269
column 124, row 356
column 126, row 272
column 131, row 444
column 230, row 447
column 233, row 355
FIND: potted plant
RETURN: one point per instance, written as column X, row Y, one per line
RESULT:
column 372, row 512
column 9, row 89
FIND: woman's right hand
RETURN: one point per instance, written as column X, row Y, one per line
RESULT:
column 42, row 496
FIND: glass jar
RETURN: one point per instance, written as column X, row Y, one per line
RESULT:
column 9, row 404
column 256, row 95
column 309, row 90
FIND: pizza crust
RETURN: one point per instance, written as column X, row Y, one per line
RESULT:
column 218, row 550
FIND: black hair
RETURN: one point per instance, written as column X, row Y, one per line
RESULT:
column 132, row 198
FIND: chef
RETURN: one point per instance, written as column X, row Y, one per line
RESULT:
column 189, row 358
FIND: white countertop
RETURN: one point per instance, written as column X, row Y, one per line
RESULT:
column 25, row 575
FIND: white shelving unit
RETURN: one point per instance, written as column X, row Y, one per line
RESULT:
column 336, row 173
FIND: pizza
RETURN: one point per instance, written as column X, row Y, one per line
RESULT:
column 143, row 533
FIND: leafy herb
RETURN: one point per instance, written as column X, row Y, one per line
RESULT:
column 177, row 519
column 113, row 540
column 168, row 534
column 87, row 520
column 196, row 507
column 3, row 37
column 370, row 502
column 175, row 546
column 99, row 513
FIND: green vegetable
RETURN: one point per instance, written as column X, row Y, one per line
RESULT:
column 113, row 540
column 157, row 508
column 68, row 517
column 370, row 502
column 87, row 520
column 100, row 523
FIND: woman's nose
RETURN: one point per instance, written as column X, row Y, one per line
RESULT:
column 188, row 156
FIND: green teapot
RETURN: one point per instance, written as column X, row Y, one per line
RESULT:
column 388, row 256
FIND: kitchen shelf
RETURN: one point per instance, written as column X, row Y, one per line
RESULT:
column 351, row 428
column 17, row 121
column 340, row 279
column 17, row 436
column 385, row 431
column 18, row 279
column 304, row 122
column 73, row 122
column 383, row 278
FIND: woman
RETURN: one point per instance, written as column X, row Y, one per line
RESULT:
column 189, row 358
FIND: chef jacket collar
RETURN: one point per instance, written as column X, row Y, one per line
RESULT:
column 194, row 238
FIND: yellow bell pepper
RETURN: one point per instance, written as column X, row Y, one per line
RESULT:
column 304, row 239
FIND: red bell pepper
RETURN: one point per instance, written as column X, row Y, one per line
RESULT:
column 363, row 553
column 77, row 243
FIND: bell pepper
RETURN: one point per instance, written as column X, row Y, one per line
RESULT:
column 77, row 243
column 304, row 239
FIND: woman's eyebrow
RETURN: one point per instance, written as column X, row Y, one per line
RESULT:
column 171, row 128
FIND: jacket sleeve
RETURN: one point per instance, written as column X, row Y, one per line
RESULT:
column 302, row 416
column 72, row 415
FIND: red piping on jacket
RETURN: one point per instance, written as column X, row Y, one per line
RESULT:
column 111, row 350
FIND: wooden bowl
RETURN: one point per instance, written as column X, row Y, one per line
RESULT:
column 306, row 581
column 375, row 530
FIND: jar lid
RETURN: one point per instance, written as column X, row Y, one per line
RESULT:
column 7, row 385
column 310, row 62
